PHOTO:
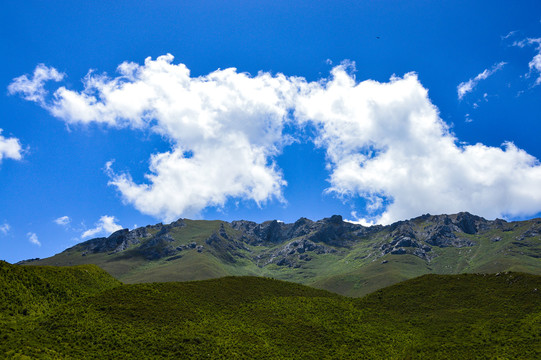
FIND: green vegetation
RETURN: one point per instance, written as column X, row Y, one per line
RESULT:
column 35, row 290
column 433, row 316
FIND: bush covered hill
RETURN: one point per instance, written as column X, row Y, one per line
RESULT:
column 331, row 254
column 29, row 290
column 432, row 316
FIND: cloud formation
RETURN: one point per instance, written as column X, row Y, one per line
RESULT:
column 63, row 220
column 385, row 142
column 33, row 238
column 4, row 228
column 535, row 64
column 10, row 148
column 468, row 86
column 105, row 226
column 33, row 89
column 225, row 129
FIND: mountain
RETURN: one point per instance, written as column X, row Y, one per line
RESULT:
column 92, row 316
column 332, row 254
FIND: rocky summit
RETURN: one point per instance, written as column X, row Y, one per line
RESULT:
column 331, row 253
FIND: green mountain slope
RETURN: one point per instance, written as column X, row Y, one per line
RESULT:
column 434, row 316
column 331, row 254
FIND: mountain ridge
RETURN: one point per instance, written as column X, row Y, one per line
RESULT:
column 330, row 253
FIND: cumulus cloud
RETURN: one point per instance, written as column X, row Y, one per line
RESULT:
column 385, row 142
column 33, row 238
column 225, row 129
column 4, row 228
column 105, row 226
column 10, row 148
column 466, row 87
column 33, row 89
column 63, row 220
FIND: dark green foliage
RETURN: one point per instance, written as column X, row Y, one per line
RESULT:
column 30, row 290
column 468, row 315
column 433, row 316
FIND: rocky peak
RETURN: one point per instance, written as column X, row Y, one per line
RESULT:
column 301, row 227
column 468, row 223
column 179, row 223
column 333, row 231
column 244, row 226
column 335, row 219
column 117, row 241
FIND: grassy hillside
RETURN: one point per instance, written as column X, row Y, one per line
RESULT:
column 434, row 316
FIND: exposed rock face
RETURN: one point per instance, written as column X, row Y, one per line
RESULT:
column 333, row 231
column 301, row 227
column 417, row 236
column 272, row 231
column 291, row 253
column 532, row 232
column 118, row 241
column 404, row 240
column 468, row 223
column 121, row 240
column 255, row 233
column 157, row 247
column 444, row 235
column 328, row 230
column 444, row 232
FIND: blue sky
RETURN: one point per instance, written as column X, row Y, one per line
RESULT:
column 375, row 110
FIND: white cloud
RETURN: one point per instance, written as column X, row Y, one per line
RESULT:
column 33, row 238
column 535, row 64
column 468, row 86
column 4, row 228
column 225, row 129
column 10, row 148
column 520, row 43
column 63, row 220
column 385, row 142
column 105, row 226
column 509, row 34
column 33, row 89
